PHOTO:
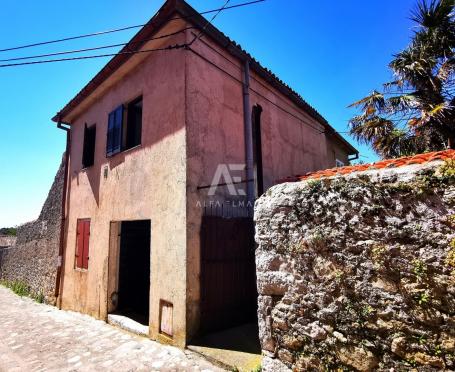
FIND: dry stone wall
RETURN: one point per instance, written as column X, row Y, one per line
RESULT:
column 33, row 258
column 7, row 241
column 357, row 272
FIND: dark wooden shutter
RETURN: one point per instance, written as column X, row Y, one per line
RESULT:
column 114, row 131
column 110, row 134
column 85, row 150
column 118, row 124
column 85, row 255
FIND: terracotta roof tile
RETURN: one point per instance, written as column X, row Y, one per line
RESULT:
column 388, row 163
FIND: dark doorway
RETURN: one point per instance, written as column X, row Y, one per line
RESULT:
column 229, row 325
column 228, row 273
column 134, row 271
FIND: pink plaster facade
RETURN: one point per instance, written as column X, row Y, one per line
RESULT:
column 192, row 122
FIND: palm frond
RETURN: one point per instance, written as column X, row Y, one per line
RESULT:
column 419, row 111
column 446, row 69
column 371, row 103
column 430, row 14
column 402, row 103
column 369, row 130
column 399, row 84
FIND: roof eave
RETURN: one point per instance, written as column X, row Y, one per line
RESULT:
column 185, row 10
column 138, row 40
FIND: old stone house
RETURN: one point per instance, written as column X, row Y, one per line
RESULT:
column 169, row 144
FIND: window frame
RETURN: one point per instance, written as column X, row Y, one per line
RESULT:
column 87, row 129
column 118, row 130
column 127, row 129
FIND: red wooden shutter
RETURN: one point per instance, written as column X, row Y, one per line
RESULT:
column 79, row 243
column 85, row 254
column 83, row 243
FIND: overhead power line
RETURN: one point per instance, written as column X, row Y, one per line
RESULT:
column 99, row 33
column 197, row 37
column 254, row 91
column 95, row 48
column 169, row 47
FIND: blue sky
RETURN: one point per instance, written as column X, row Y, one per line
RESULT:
column 332, row 52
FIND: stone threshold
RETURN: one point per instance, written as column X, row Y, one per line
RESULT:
column 128, row 324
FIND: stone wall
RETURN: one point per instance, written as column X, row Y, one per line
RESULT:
column 33, row 259
column 357, row 272
column 7, row 241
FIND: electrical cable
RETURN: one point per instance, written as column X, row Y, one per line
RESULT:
column 169, row 47
column 253, row 90
column 209, row 22
column 99, row 33
column 95, row 48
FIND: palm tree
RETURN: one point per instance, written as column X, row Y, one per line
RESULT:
column 415, row 112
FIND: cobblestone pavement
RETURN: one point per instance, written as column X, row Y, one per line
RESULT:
column 37, row 337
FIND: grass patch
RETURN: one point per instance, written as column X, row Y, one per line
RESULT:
column 22, row 289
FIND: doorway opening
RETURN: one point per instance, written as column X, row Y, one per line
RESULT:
column 130, row 270
column 229, row 327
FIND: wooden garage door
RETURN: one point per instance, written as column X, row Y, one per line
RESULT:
column 228, row 272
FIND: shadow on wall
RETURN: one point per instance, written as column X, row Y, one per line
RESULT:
column 104, row 165
column 33, row 259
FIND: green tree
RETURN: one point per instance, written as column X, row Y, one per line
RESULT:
column 415, row 112
column 8, row 231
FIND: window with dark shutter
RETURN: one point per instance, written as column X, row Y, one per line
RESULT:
column 88, row 155
column 82, row 244
column 114, row 131
column 133, row 124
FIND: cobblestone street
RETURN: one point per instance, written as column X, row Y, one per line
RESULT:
column 37, row 337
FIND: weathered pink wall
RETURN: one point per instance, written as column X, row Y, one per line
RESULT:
column 146, row 182
column 215, row 135
column 336, row 151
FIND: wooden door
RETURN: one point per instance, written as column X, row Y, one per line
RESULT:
column 228, row 272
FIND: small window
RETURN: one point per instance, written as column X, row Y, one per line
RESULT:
column 114, row 131
column 133, row 124
column 124, row 127
column 82, row 243
column 339, row 163
column 88, row 155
